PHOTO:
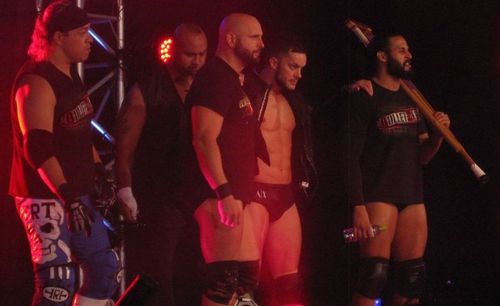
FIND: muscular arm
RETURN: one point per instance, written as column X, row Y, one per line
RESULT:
column 131, row 119
column 207, row 125
column 430, row 143
column 35, row 102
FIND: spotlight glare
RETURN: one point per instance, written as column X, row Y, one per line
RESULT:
column 165, row 49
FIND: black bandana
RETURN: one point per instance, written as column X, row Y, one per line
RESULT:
column 64, row 19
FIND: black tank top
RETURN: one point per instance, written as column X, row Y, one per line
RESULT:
column 71, row 130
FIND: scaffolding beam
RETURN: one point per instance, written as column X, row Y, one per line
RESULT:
column 116, row 75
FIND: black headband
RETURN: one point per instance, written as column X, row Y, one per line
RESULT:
column 68, row 18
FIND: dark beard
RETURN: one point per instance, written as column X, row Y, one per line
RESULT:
column 395, row 69
column 245, row 55
column 185, row 71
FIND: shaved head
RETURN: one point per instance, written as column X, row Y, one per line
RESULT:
column 185, row 30
column 237, row 23
column 240, row 37
column 190, row 48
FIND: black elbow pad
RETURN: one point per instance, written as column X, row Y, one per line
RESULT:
column 38, row 147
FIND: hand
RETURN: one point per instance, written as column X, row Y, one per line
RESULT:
column 366, row 85
column 128, row 204
column 435, row 135
column 361, row 223
column 80, row 218
column 443, row 119
column 230, row 211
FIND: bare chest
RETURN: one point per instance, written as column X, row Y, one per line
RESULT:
column 278, row 115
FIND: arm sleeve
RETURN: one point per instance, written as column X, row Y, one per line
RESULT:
column 211, row 93
column 356, row 121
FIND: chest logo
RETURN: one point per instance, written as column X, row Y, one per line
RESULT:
column 397, row 119
column 76, row 116
column 245, row 106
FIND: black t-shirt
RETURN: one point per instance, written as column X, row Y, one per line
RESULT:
column 217, row 87
column 71, row 133
column 383, row 151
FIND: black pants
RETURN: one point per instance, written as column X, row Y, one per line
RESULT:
column 151, row 249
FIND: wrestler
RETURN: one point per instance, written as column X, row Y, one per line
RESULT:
column 386, row 145
column 224, row 129
column 151, row 155
column 54, row 165
column 287, row 173
column 285, row 162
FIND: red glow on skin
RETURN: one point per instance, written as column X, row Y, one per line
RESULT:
column 165, row 49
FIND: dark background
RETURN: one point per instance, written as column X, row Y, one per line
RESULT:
column 456, row 48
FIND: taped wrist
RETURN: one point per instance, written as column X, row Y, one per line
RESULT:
column 38, row 146
column 223, row 191
column 125, row 193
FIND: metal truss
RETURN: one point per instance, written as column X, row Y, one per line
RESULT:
column 113, row 69
column 112, row 79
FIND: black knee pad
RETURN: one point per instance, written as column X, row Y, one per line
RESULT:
column 409, row 277
column 289, row 289
column 372, row 277
column 248, row 277
column 220, row 280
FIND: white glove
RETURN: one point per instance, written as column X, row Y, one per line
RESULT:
column 128, row 204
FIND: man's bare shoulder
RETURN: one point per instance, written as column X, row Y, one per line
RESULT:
column 34, row 81
column 34, row 89
column 134, row 96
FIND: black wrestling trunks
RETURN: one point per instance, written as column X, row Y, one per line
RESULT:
column 276, row 198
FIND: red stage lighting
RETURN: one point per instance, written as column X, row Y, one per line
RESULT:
column 165, row 49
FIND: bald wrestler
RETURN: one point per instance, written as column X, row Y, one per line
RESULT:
column 224, row 129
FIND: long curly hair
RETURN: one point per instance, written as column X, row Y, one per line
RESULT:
column 42, row 36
